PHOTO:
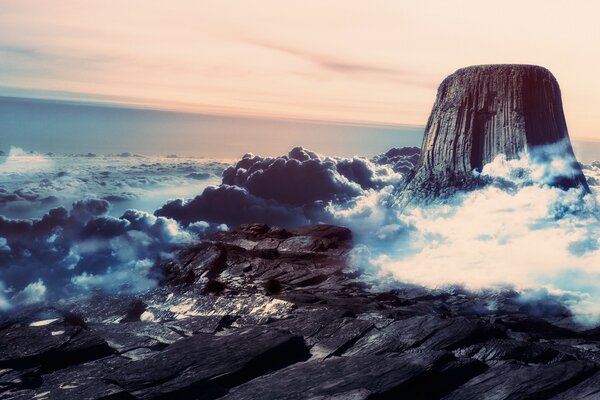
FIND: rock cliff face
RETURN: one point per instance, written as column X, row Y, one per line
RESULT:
column 484, row 111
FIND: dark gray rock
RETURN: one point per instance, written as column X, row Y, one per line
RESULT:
column 328, row 332
column 125, row 338
column 255, row 253
column 80, row 382
column 483, row 111
column 49, row 344
column 589, row 389
column 426, row 332
column 417, row 375
column 134, row 311
column 516, row 382
column 206, row 366
column 505, row 349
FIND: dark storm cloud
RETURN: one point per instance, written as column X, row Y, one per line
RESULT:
column 299, row 178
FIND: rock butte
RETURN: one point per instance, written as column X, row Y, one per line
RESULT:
column 483, row 111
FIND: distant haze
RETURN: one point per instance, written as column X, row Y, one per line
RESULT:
column 53, row 126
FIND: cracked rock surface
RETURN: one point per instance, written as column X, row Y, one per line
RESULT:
column 268, row 313
column 482, row 112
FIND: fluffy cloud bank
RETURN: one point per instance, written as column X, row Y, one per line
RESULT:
column 31, row 183
column 519, row 232
column 292, row 189
column 73, row 251
column 79, row 250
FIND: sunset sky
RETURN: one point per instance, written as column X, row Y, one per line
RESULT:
column 362, row 62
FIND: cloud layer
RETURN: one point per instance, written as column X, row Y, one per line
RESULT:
column 30, row 183
column 67, row 252
column 518, row 232
column 292, row 189
column 89, row 247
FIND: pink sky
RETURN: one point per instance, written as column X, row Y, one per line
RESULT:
column 364, row 62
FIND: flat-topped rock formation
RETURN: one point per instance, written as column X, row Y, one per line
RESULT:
column 483, row 111
column 268, row 313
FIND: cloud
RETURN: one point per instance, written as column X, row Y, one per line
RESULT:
column 342, row 66
column 199, row 176
column 327, row 62
column 33, row 293
column 19, row 161
column 289, row 190
column 518, row 232
column 299, row 178
column 85, row 210
column 4, row 303
column 27, row 52
column 31, row 183
column 23, row 201
column 68, row 252
column 231, row 205
column 551, row 164
column 401, row 159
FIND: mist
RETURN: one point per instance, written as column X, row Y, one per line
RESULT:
column 518, row 233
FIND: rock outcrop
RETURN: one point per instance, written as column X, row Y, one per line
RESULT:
column 484, row 111
column 269, row 313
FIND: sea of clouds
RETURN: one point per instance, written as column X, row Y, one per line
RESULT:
column 65, row 231
column 518, row 232
column 70, row 224
column 31, row 183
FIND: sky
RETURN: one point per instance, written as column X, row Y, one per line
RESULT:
column 354, row 62
column 63, row 127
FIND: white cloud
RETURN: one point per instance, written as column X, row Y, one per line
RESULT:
column 33, row 293
column 530, row 238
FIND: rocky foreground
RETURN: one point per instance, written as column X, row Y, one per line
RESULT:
column 267, row 313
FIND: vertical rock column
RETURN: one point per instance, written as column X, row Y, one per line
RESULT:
column 483, row 111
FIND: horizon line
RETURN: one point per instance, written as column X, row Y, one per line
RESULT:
column 189, row 109
column 217, row 112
